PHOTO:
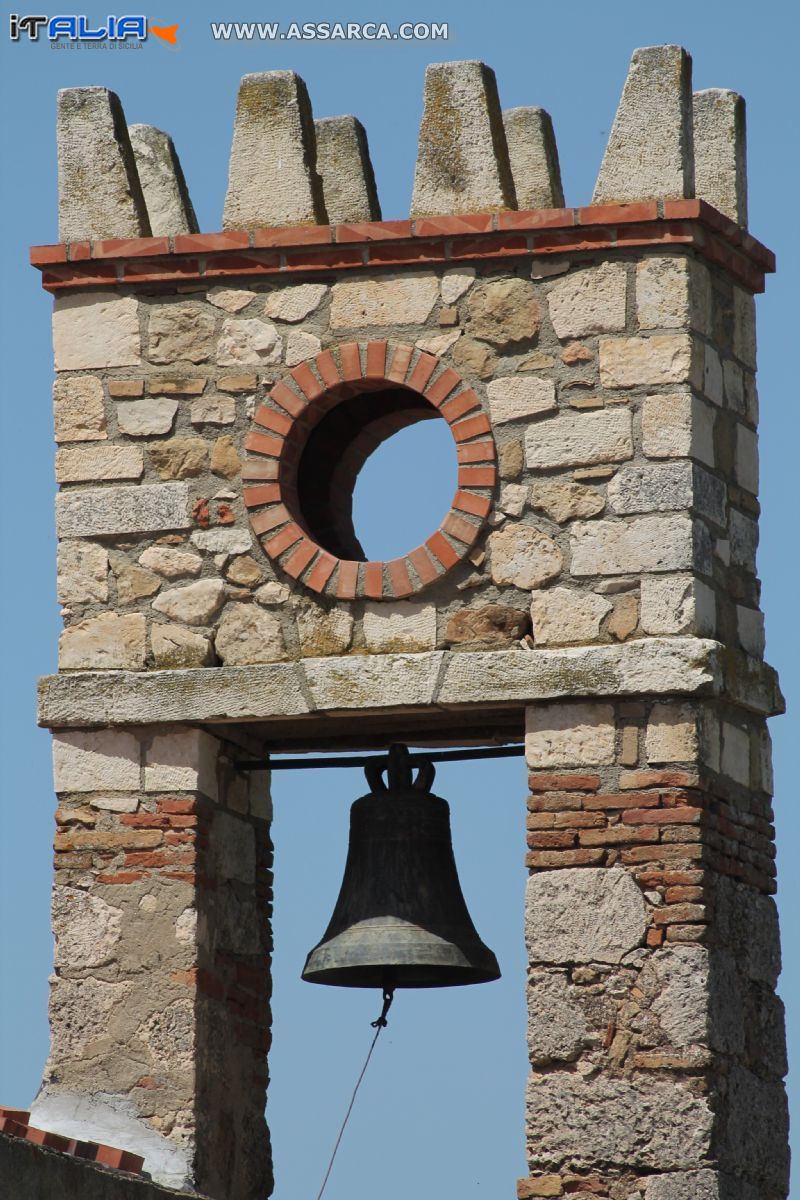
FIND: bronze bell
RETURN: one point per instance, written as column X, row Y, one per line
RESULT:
column 401, row 919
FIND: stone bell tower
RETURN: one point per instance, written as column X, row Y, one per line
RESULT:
column 592, row 591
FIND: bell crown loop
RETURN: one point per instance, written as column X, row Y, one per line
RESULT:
column 399, row 772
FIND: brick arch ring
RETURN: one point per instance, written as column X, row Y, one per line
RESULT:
column 310, row 439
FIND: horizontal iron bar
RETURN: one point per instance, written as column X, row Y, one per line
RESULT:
column 361, row 760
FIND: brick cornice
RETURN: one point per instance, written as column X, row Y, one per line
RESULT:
column 215, row 257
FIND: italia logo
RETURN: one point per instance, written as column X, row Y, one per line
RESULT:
column 75, row 28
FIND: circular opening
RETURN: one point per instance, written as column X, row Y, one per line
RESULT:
column 376, row 475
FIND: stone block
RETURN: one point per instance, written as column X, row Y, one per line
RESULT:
column 562, row 616
column 99, row 462
column 82, row 573
column 166, row 196
column 343, row 162
column 516, row 397
column 171, row 562
column 213, row 410
column 300, row 345
column 353, row 683
column 180, row 457
column 105, row 643
column 462, row 160
column 745, row 467
column 223, row 541
column 99, row 194
column 579, row 439
column 503, row 312
column 663, row 293
column 231, row 300
column 564, row 501
column 677, row 604
column 533, row 157
column 148, row 508
column 523, row 556
column 182, row 760
column 248, row 634
column 400, row 627
column 720, row 152
column 180, row 333
column 679, row 425
column 755, row 1141
column 743, row 540
column 649, row 152
column 569, row 735
column 456, row 282
column 736, row 753
column 322, row 632
column 750, row 630
column 644, row 544
column 686, row 1185
column 247, row 342
column 404, row 300
column 650, row 361
column 233, row 848
column 103, row 760
column 557, row 1027
column 671, row 734
column 78, row 409
column 175, row 648
column 272, row 178
column 194, row 604
column 294, row 302
column 485, row 625
column 96, row 329
column 146, row 418
column 589, row 300
column 87, row 929
column 583, row 915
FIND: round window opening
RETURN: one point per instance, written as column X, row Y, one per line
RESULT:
column 320, row 428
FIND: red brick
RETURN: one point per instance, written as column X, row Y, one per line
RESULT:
column 680, row 914
column 120, row 1160
column 684, row 895
column 667, row 778
column 424, row 367
column 313, row 260
column 655, row 937
column 178, row 804
column 373, row 580
column 376, row 360
column 259, row 443
column 563, row 783
column 464, row 402
column 612, row 214
column 497, row 245
column 269, row 419
column 293, row 235
column 550, row 840
column 299, row 559
column 476, row 477
column 468, row 502
column 399, row 578
column 401, row 357
column 662, row 816
column 43, row 255
column 79, row 251
column 537, row 218
column 307, row 381
column 204, row 243
column 221, row 266
column 636, row 800
column 441, row 549
column 662, row 853
column 618, row 834
column 442, row 386
column 279, row 542
column 321, row 572
column 266, row 494
column 575, row 820
column 476, row 452
column 347, row 580
column 372, row 231
column 288, row 400
column 423, row 565
column 130, row 247
column 327, row 368
column 564, row 858
column 558, row 241
column 350, row 358
column 453, row 225
column 406, row 252
column 461, row 529
column 472, row 427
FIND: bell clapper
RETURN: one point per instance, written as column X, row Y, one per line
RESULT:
column 388, row 997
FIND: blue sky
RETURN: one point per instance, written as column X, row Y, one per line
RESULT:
column 461, row 1132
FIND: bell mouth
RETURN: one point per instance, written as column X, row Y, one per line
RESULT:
column 417, row 958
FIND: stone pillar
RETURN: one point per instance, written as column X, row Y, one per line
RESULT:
column 159, row 998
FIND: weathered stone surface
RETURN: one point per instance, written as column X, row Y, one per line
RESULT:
column 474, row 358
column 145, row 418
column 233, row 849
column 247, row 634
column 651, row 361
column 321, row 631
column 755, row 1142
column 589, row 300
column 169, row 208
column 183, row 760
column 513, row 499
column 649, row 152
column 343, row 162
column 625, row 617
column 677, row 604
column 96, row 329
column 533, row 157
column 678, row 426
column 583, row 915
column 745, row 464
column 180, row 333
column 82, row 573
column 349, row 683
column 617, row 1122
column 579, row 439
column 685, row 1185
column 720, row 152
column 223, row 541
column 144, row 509
column 169, row 1034
column 179, row 457
column 523, row 556
column 462, row 160
column 557, row 1028
column 272, row 592
column 657, row 488
column 671, row 734
column 456, row 282
column 743, row 540
column 515, row 397
column 86, row 928
column 213, row 410
column 78, row 409
column 662, row 293
column 244, row 571
column 485, row 625
column 99, row 194
column 561, row 616
column 301, row 345
column 569, row 735
column 294, row 302
column 103, row 760
column 440, row 343
column 510, row 459
column 133, row 583
column 563, row 501
column 399, row 626
column 503, row 311
column 643, row 544
column 748, row 922
column 175, row 648
column 170, row 562
column 99, row 462
column 105, row 643
column 404, row 300
column 79, row 1014
column 194, row 604
column 272, row 178
column 248, row 341
column 225, row 459
column 683, row 1001
column 736, row 752
column 231, row 300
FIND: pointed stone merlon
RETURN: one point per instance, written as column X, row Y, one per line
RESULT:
column 273, row 176
column 166, row 196
column 533, row 155
column 720, row 152
column 343, row 162
column 462, row 162
column 649, row 153
column 99, row 194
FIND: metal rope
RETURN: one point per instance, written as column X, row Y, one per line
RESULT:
column 378, row 1025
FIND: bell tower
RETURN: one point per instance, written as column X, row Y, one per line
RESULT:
column 591, row 592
